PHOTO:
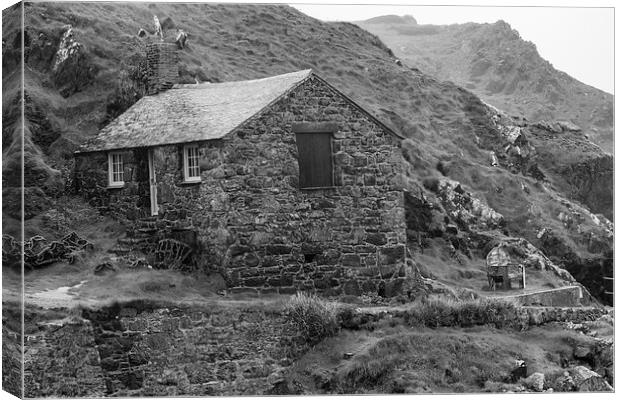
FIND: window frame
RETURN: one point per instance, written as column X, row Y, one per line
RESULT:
column 316, row 129
column 186, row 167
column 112, row 174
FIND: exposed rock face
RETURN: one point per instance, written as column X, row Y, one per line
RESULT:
column 590, row 182
column 559, row 153
column 71, row 68
column 523, row 252
column 469, row 211
column 586, row 380
column 250, row 215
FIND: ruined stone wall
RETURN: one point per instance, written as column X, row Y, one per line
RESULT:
column 269, row 235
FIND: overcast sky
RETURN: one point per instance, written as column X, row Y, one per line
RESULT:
column 576, row 40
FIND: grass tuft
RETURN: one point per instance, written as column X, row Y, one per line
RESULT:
column 438, row 312
column 314, row 318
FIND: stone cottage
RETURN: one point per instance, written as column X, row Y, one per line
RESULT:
column 283, row 183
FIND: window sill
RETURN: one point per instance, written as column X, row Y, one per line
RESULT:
column 318, row 188
column 190, row 183
column 116, row 186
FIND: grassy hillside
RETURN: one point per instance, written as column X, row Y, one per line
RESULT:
column 450, row 131
column 495, row 63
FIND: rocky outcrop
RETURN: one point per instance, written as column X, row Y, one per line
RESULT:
column 590, row 182
column 468, row 211
column 70, row 67
column 586, row 380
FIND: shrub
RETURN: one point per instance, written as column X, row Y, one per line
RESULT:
column 431, row 184
column 447, row 312
column 314, row 318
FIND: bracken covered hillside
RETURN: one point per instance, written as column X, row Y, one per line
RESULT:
column 493, row 61
column 541, row 186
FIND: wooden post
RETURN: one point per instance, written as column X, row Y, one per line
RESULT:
column 523, row 275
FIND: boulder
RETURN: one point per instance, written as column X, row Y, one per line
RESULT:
column 550, row 126
column 536, row 382
column 587, row 380
column 569, row 126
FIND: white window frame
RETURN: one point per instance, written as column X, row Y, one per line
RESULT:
column 194, row 168
column 115, row 158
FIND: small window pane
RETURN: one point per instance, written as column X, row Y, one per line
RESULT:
column 192, row 157
column 116, row 168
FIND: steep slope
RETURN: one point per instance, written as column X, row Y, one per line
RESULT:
column 494, row 62
column 80, row 77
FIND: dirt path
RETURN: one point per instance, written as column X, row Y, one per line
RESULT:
column 61, row 297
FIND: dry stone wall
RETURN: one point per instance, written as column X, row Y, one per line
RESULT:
column 142, row 349
column 132, row 350
column 62, row 361
column 266, row 233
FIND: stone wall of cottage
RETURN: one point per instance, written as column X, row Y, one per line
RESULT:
column 266, row 234
column 130, row 202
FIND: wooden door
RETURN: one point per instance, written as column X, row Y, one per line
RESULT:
column 153, row 184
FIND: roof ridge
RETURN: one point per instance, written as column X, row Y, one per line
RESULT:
column 304, row 73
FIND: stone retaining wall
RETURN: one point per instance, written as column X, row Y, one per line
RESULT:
column 145, row 350
column 569, row 296
column 129, row 351
column 62, row 361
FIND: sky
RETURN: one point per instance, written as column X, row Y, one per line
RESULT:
column 576, row 40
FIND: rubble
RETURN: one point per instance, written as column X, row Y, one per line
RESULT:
column 104, row 268
column 37, row 252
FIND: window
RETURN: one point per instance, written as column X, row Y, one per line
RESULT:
column 115, row 170
column 191, row 167
column 315, row 159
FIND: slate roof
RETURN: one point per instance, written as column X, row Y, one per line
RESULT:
column 194, row 112
column 189, row 113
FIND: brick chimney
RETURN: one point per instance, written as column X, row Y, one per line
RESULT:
column 162, row 65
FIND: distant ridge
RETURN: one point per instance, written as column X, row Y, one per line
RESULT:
column 392, row 19
column 493, row 61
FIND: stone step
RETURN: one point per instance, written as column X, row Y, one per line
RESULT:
column 146, row 230
column 120, row 250
column 132, row 241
